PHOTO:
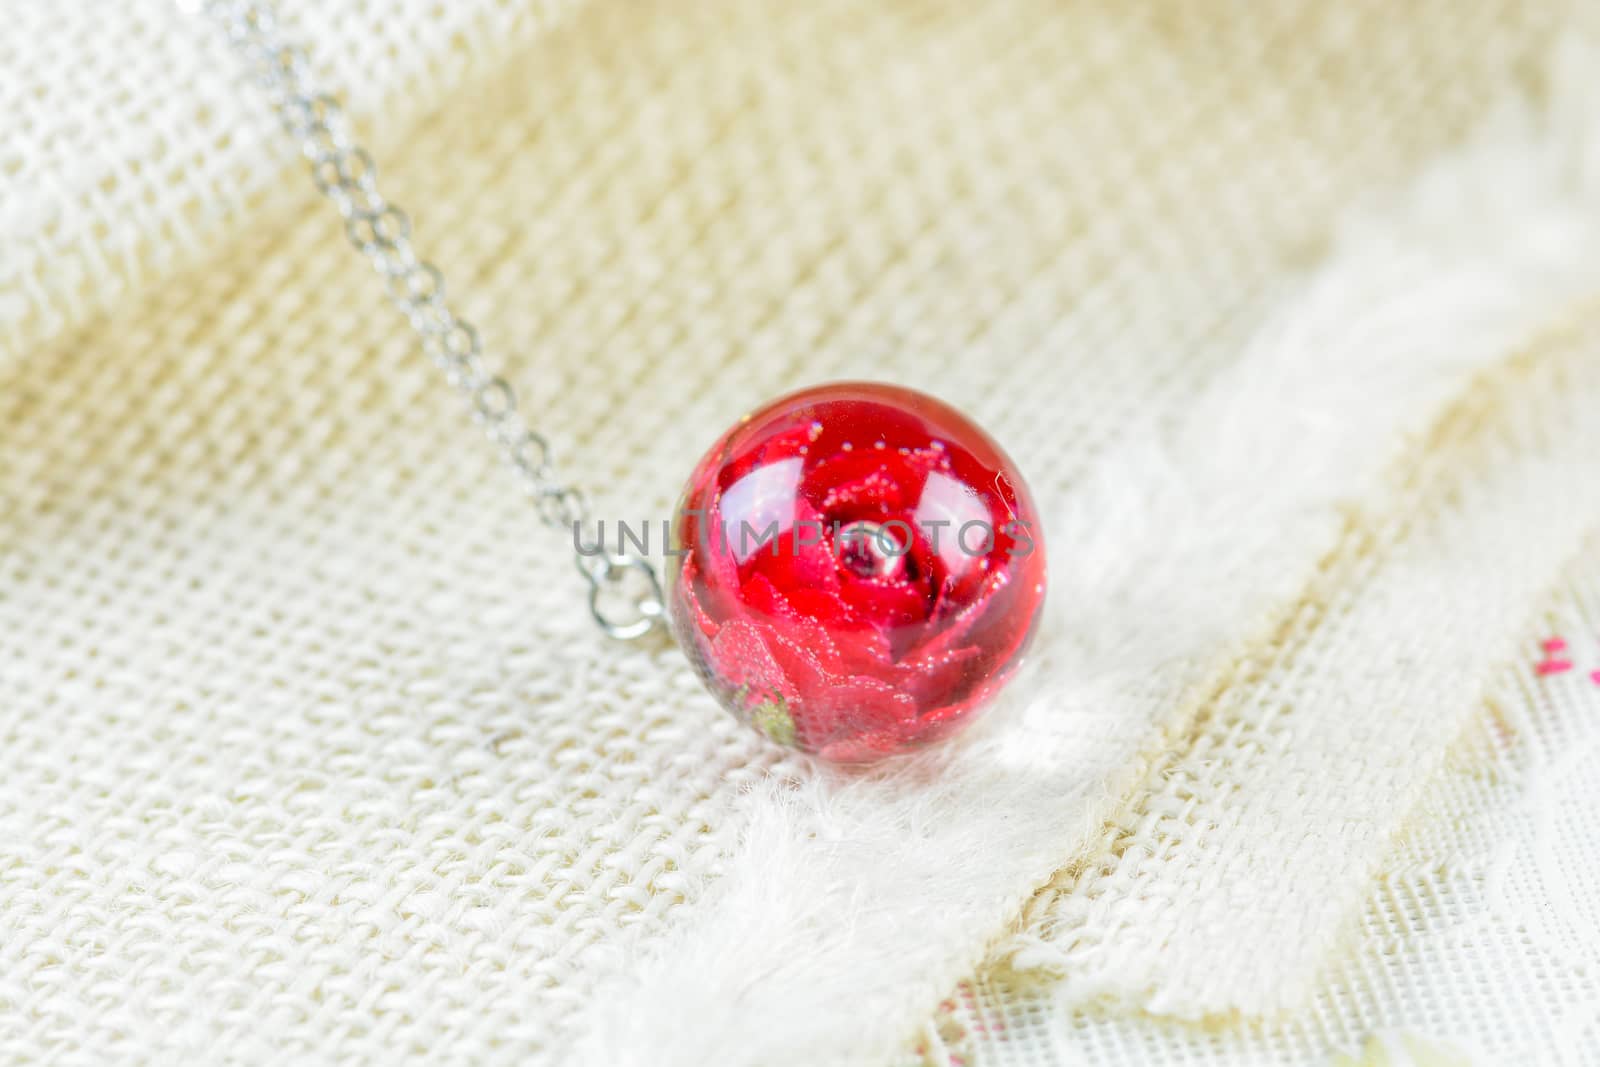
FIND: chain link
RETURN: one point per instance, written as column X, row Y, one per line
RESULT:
column 625, row 594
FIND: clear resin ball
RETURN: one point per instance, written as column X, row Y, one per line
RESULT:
column 861, row 570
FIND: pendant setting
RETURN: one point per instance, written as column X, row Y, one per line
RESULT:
column 860, row 569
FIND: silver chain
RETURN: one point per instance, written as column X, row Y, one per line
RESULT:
column 624, row 592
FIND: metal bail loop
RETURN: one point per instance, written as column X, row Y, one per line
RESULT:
column 648, row 606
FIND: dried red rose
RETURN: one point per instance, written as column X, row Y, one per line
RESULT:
column 862, row 569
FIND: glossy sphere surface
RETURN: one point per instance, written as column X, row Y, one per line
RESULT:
column 862, row 569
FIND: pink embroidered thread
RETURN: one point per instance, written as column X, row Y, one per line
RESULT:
column 1554, row 663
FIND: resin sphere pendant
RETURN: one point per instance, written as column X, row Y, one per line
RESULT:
column 861, row 569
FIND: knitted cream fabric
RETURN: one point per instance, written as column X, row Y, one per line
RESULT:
column 309, row 750
column 1289, row 776
column 129, row 145
column 1475, row 946
column 1441, row 577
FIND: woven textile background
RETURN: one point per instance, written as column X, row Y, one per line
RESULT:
column 1474, row 947
column 310, row 752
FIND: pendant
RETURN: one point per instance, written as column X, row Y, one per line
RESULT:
column 860, row 570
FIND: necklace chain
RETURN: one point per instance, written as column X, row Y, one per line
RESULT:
column 625, row 594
